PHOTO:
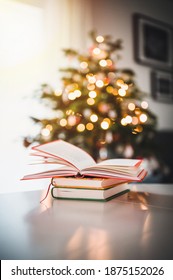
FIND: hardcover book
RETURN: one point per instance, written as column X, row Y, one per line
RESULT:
column 88, row 193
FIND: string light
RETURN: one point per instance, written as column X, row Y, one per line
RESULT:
column 134, row 120
column 124, row 86
column 83, row 64
column 109, row 62
column 119, row 82
column 89, row 126
column 122, row 92
column 143, row 118
column 71, row 120
column 99, row 83
column 72, row 96
column 91, row 87
column 144, row 105
column 96, row 51
column 91, row 78
column 131, row 106
column 49, row 126
column 123, row 122
column 92, row 94
column 58, row 92
column 45, row 132
column 103, row 63
column 63, row 122
column 139, row 128
column 109, row 89
column 69, row 112
column 128, row 119
column 77, row 92
column 105, row 123
column 81, row 127
column 100, row 39
column 90, row 101
column 94, row 118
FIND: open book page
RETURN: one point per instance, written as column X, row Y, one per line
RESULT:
column 60, row 172
column 122, row 166
column 112, row 174
column 121, row 163
column 67, row 153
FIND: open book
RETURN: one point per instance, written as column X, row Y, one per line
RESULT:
column 74, row 161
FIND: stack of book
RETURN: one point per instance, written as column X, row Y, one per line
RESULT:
column 87, row 188
column 78, row 176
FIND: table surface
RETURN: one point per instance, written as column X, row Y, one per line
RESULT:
column 137, row 225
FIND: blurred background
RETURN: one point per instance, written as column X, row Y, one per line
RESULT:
column 33, row 34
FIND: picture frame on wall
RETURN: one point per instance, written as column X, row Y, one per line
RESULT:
column 153, row 42
column 162, row 86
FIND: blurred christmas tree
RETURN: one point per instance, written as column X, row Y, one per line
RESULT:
column 100, row 108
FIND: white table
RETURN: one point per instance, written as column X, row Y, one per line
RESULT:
column 137, row 225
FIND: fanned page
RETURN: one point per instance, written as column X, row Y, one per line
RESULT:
column 66, row 153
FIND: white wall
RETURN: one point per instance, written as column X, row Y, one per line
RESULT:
column 33, row 33
column 114, row 17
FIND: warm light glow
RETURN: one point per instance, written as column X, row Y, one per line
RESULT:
column 99, row 83
column 144, row 105
column 120, row 82
column 99, row 39
column 139, row 128
column 122, row 92
column 63, row 122
column 77, row 92
column 58, row 92
column 90, row 101
column 137, row 111
column 89, row 126
column 109, row 62
column 109, row 89
column 124, row 86
column 45, row 132
column 96, row 51
column 87, row 112
column 81, row 127
column 94, row 118
column 91, row 87
column 134, row 120
column 84, row 65
column 69, row 112
column 92, row 94
column 128, row 119
column 105, row 123
column 72, row 95
column 71, row 120
column 111, row 75
column 143, row 118
column 131, row 106
column 123, row 122
column 91, row 78
column 49, row 126
column 103, row 63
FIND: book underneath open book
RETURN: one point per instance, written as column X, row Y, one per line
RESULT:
column 89, row 194
column 75, row 162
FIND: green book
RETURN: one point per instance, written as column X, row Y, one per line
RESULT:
column 88, row 193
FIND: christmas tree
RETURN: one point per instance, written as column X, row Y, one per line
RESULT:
column 99, row 107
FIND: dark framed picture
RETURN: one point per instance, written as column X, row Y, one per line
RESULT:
column 153, row 42
column 162, row 86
